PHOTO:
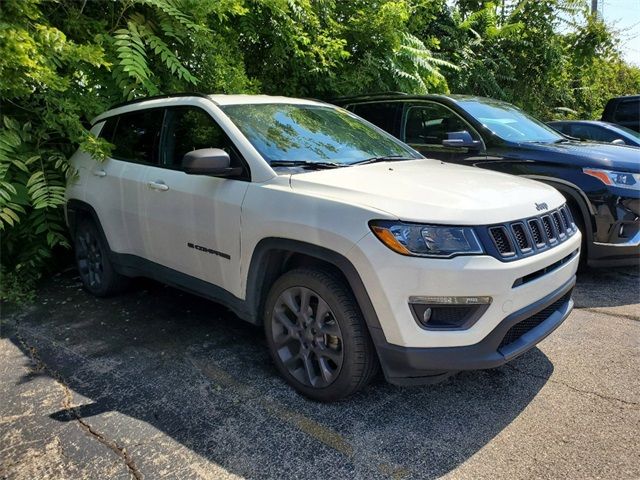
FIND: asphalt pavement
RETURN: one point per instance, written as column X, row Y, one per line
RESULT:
column 157, row 383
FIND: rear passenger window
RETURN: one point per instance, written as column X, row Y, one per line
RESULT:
column 384, row 115
column 136, row 136
column 191, row 128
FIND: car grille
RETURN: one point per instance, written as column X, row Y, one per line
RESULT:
column 528, row 324
column 529, row 236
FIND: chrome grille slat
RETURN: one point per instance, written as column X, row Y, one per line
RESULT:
column 529, row 236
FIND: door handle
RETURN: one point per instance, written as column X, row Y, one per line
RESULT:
column 158, row 185
column 100, row 173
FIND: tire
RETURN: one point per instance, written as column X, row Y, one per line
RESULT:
column 97, row 273
column 326, row 354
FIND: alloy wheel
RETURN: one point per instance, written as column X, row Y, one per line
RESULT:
column 307, row 337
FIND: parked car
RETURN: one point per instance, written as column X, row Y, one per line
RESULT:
column 348, row 246
column 597, row 131
column 601, row 183
column 624, row 111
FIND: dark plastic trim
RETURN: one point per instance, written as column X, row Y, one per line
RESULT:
column 413, row 366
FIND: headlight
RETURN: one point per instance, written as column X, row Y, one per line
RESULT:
column 426, row 240
column 615, row 179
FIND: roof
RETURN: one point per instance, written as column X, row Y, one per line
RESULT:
column 160, row 101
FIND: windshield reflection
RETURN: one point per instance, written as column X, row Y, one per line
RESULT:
column 312, row 133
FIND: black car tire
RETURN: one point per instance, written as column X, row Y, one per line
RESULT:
column 314, row 326
column 97, row 272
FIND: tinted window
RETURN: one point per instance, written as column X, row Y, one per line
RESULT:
column 136, row 136
column 108, row 129
column 593, row 132
column 384, row 115
column 628, row 110
column 313, row 133
column 430, row 124
column 191, row 128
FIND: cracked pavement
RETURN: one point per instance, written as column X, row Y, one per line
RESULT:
column 157, row 383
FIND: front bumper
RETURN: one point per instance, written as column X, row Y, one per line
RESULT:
column 416, row 366
column 616, row 240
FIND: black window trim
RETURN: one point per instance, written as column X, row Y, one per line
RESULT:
column 422, row 103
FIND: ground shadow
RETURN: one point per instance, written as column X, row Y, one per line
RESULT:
column 191, row 370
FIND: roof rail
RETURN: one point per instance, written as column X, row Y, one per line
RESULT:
column 156, row 97
column 370, row 95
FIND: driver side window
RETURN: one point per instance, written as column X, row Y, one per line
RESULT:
column 191, row 128
column 431, row 124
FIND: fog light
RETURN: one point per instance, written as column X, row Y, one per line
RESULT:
column 448, row 313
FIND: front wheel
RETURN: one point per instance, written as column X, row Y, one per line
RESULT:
column 317, row 336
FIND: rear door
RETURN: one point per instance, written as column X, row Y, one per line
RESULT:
column 427, row 124
column 118, row 188
column 192, row 222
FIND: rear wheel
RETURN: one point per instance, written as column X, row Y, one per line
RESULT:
column 317, row 336
column 92, row 258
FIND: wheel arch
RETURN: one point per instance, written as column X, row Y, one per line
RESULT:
column 274, row 256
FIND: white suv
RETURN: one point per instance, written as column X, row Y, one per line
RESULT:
column 352, row 249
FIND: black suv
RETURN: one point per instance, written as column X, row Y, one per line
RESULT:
column 600, row 182
column 624, row 111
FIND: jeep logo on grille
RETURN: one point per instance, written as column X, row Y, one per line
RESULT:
column 542, row 206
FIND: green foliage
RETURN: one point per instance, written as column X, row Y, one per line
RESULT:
column 62, row 62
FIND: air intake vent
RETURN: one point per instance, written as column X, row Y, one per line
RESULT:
column 536, row 232
column 521, row 237
column 548, row 228
column 566, row 218
column 503, row 242
column 558, row 223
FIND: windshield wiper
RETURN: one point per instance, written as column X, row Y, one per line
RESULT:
column 305, row 164
column 382, row 158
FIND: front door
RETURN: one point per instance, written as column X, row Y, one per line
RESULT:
column 427, row 125
column 192, row 222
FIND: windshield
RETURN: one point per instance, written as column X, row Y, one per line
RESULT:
column 312, row 133
column 628, row 131
column 510, row 123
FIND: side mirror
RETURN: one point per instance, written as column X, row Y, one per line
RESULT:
column 209, row 161
column 619, row 141
column 461, row 139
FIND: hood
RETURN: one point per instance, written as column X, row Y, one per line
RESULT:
column 431, row 191
column 586, row 154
